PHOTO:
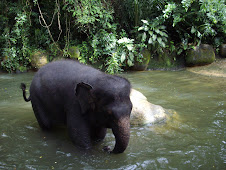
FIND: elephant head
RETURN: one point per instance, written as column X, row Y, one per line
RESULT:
column 108, row 108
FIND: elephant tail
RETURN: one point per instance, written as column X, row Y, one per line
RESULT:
column 23, row 87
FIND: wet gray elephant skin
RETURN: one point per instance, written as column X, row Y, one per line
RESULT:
column 85, row 99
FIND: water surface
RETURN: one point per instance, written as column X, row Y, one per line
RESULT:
column 192, row 138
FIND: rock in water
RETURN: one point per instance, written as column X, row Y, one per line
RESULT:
column 200, row 55
column 144, row 112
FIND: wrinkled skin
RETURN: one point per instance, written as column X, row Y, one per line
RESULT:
column 86, row 100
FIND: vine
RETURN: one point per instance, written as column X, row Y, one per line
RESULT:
column 41, row 17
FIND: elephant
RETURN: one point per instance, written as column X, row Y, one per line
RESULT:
column 85, row 100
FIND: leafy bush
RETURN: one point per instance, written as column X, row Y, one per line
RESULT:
column 112, row 32
column 16, row 51
column 104, row 44
column 114, row 53
column 154, row 35
column 196, row 22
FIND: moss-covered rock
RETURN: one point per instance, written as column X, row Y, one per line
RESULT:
column 200, row 55
column 166, row 61
column 74, row 52
column 223, row 51
column 38, row 59
column 144, row 65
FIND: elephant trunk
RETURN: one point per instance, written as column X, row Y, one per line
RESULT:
column 121, row 131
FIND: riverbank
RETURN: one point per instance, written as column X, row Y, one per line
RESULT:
column 216, row 69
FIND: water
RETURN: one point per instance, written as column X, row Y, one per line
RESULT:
column 193, row 138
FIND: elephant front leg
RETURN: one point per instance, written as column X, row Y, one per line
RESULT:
column 98, row 133
column 79, row 131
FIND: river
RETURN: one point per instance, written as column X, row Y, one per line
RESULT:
column 192, row 138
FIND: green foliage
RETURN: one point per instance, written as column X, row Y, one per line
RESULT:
column 16, row 51
column 154, row 35
column 184, row 24
column 104, row 44
column 113, row 64
column 114, row 53
column 130, row 12
column 126, row 50
column 90, row 15
column 95, row 19
column 196, row 21
column 85, row 52
column 109, row 32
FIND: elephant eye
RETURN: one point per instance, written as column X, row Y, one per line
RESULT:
column 109, row 112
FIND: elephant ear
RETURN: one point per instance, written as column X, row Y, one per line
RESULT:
column 85, row 97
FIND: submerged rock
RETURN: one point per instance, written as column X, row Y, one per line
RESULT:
column 200, row 55
column 144, row 112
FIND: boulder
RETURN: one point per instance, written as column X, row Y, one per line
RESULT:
column 144, row 65
column 74, row 52
column 38, row 59
column 166, row 60
column 200, row 55
column 144, row 112
column 223, row 51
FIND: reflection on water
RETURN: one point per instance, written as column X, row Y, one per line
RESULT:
column 192, row 138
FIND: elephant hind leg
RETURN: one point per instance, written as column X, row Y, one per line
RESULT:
column 41, row 116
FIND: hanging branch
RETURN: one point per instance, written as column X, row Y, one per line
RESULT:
column 47, row 26
column 67, row 32
column 58, row 18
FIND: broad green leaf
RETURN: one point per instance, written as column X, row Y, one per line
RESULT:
column 146, row 28
column 160, row 32
column 162, row 27
column 74, row 13
column 131, row 56
column 193, row 30
column 157, row 31
column 163, row 44
column 199, row 34
column 123, row 57
column 130, row 63
column 129, row 47
column 163, row 34
column 154, row 37
column 159, row 40
column 144, row 21
column 140, row 28
column 144, row 36
column 150, row 32
column 150, row 41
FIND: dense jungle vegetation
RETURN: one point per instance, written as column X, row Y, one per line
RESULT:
column 111, row 32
